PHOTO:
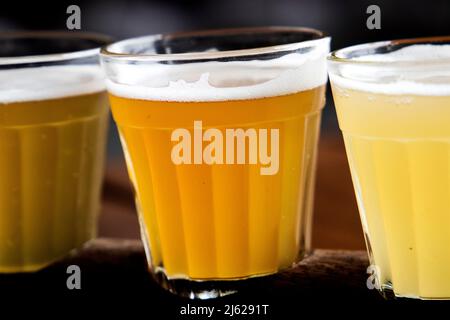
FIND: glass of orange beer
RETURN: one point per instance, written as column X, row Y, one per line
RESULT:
column 53, row 120
column 219, row 130
column 393, row 103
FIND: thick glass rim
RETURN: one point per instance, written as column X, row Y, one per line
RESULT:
column 347, row 55
column 110, row 51
column 99, row 38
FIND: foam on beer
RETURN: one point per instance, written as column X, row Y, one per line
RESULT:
column 419, row 73
column 43, row 83
column 221, row 81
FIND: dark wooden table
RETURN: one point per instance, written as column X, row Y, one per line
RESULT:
column 118, row 267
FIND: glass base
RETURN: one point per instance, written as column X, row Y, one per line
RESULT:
column 202, row 289
column 38, row 266
column 388, row 293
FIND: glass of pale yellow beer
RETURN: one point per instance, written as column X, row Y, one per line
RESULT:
column 53, row 120
column 393, row 103
column 219, row 130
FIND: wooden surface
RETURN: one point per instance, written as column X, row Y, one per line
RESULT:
column 115, row 266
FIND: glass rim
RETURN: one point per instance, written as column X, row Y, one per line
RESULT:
column 108, row 52
column 341, row 55
column 54, row 35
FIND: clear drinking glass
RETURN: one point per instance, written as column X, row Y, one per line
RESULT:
column 393, row 103
column 219, row 130
column 53, row 120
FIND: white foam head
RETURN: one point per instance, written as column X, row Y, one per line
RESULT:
column 221, row 81
column 43, row 83
column 419, row 74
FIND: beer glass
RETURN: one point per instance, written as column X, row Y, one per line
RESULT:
column 393, row 103
column 53, row 120
column 219, row 130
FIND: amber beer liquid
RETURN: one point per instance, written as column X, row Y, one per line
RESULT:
column 226, row 219
column 52, row 136
column 221, row 221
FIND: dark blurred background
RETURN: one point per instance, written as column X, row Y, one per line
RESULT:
column 336, row 217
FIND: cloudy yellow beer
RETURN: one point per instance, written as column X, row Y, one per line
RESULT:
column 397, row 137
column 52, row 136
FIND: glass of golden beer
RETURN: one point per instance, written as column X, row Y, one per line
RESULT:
column 393, row 103
column 219, row 130
column 53, row 121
